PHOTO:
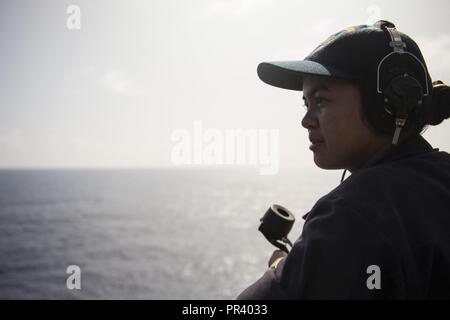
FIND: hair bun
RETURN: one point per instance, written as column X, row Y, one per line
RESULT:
column 440, row 105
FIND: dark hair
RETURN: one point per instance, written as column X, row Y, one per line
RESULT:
column 440, row 106
column 434, row 110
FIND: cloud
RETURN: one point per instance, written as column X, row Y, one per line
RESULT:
column 118, row 83
column 235, row 7
column 113, row 80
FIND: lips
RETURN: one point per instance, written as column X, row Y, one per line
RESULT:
column 315, row 143
column 315, row 140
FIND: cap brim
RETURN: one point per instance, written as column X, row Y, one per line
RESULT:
column 289, row 74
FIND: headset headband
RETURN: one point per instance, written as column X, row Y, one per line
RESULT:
column 398, row 48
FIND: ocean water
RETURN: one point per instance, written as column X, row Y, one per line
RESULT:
column 143, row 234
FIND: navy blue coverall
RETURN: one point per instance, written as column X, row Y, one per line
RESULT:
column 394, row 215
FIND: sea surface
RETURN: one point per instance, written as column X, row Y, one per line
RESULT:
column 144, row 233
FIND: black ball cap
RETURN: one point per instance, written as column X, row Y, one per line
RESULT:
column 351, row 54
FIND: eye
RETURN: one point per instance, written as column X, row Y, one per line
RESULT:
column 318, row 100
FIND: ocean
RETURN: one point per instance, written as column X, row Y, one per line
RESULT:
column 143, row 233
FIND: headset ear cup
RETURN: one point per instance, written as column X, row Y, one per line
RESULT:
column 402, row 96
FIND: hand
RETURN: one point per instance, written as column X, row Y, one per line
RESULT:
column 276, row 257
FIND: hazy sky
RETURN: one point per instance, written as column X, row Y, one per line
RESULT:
column 112, row 93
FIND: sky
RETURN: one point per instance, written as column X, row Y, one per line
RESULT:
column 112, row 93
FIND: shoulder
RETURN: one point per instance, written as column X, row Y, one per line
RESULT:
column 361, row 192
column 337, row 216
column 395, row 181
column 385, row 196
column 361, row 202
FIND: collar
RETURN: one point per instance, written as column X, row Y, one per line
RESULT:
column 413, row 146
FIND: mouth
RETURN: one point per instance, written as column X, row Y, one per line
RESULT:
column 315, row 144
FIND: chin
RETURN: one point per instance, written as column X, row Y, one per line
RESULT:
column 326, row 164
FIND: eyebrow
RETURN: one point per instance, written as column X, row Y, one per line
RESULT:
column 319, row 87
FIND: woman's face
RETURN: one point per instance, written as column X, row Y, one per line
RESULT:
column 340, row 139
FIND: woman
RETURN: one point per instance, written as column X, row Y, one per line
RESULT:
column 384, row 232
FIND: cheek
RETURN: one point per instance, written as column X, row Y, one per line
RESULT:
column 342, row 132
column 334, row 127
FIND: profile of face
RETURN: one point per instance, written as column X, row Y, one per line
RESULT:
column 340, row 138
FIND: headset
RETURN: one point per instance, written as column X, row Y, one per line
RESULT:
column 402, row 85
column 401, row 80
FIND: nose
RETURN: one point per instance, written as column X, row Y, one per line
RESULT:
column 309, row 120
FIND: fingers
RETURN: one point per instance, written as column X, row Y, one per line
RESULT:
column 276, row 257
